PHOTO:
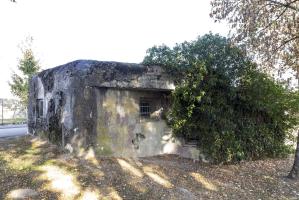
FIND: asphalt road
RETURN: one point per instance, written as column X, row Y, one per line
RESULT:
column 12, row 131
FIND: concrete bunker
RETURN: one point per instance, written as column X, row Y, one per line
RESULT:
column 112, row 108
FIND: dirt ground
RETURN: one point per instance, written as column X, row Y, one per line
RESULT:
column 31, row 163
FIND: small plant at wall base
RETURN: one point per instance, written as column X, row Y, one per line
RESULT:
column 231, row 109
column 28, row 66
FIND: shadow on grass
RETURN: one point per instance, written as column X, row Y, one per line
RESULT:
column 18, row 159
column 35, row 164
column 29, row 162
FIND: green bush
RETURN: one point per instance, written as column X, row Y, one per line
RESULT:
column 250, row 120
column 234, row 111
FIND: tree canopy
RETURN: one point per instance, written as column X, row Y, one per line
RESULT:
column 28, row 66
column 269, row 28
column 212, row 50
column 223, row 102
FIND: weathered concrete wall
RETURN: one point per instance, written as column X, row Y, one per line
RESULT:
column 69, row 99
column 87, row 76
column 92, row 104
column 53, row 88
column 121, row 131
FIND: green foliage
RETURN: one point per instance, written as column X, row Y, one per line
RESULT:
column 28, row 66
column 222, row 101
column 212, row 50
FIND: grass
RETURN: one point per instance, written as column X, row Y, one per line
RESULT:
column 30, row 162
column 13, row 121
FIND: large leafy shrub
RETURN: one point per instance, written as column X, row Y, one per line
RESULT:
column 233, row 111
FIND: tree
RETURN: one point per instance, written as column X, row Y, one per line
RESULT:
column 213, row 50
column 268, row 28
column 219, row 102
column 28, row 66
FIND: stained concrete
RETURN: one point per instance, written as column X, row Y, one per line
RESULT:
column 95, row 105
column 120, row 124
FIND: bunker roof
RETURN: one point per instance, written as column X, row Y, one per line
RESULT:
column 112, row 74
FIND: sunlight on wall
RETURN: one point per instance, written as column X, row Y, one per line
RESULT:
column 169, row 148
column 128, row 167
column 170, row 85
column 60, row 181
column 120, row 110
column 157, row 178
column 203, row 181
column 150, row 126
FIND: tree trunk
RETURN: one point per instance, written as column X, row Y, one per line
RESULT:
column 294, row 173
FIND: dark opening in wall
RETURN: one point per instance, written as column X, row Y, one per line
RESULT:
column 39, row 108
column 145, row 107
column 190, row 141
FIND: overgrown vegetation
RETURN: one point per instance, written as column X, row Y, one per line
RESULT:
column 234, row 111
column 269, row 29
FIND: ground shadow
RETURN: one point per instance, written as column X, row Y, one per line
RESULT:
column 33, row 163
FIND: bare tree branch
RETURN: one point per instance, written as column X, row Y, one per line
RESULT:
column 286, row 42
column 281, row 46
column 288, row 5
column 267, row 26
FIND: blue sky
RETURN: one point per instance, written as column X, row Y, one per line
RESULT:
column 114, row 30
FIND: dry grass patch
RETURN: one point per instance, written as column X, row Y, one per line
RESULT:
column 31, row 163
